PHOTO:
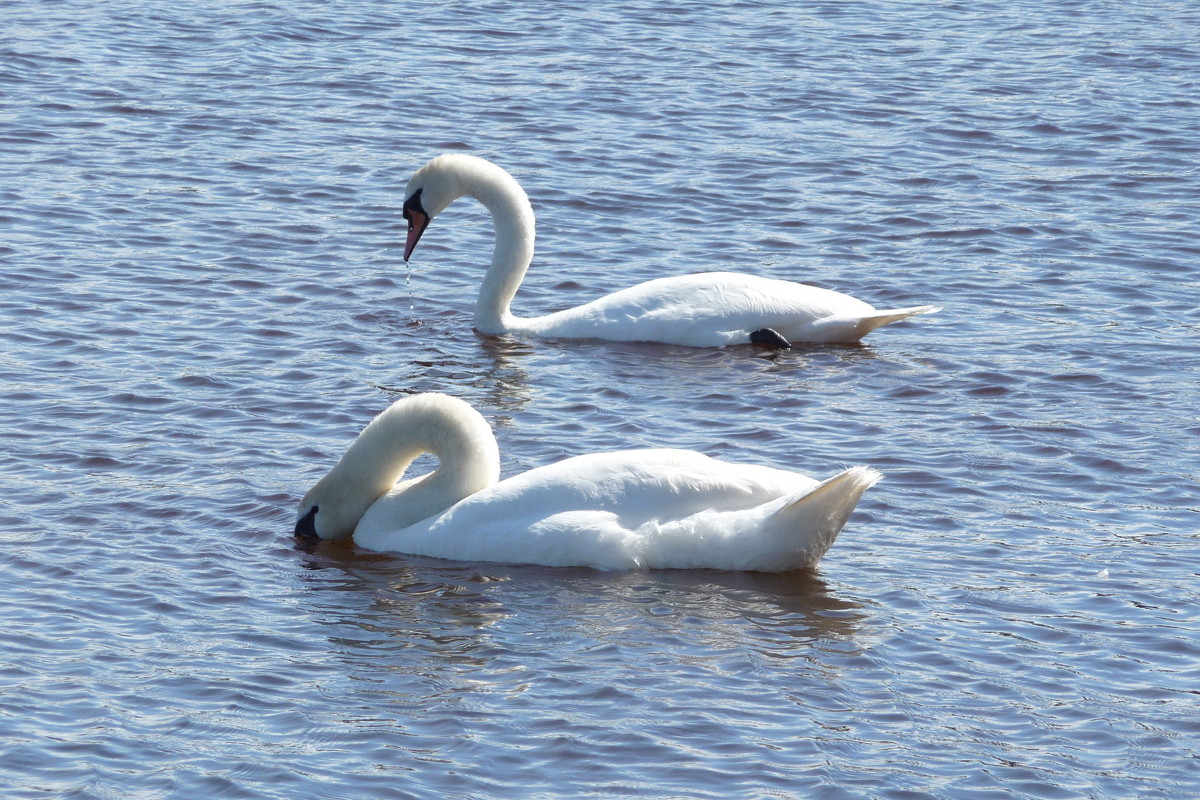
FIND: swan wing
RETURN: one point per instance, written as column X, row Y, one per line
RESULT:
column 706, row 309
column 629, row 510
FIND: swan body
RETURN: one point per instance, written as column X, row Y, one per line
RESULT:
column 711, row 309
column 633, row 509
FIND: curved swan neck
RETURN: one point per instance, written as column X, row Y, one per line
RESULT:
column 458, row 435
column 448, row 428
column 512, row 219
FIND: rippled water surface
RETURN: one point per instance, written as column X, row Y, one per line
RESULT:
column 202, row 300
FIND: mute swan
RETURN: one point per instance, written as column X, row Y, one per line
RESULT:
column 710, row 309
column 636, row 509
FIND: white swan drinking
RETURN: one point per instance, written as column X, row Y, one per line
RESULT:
column 710, row 309
column 634, row 509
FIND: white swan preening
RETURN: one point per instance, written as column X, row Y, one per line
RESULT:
column 710, row 309
column 635, row 509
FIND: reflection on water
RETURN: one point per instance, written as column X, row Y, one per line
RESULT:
column 507, row 384
column 575, row 667
column 494, row 370
column 413, row 598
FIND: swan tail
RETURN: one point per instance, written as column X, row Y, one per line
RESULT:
column 809, row 523
column 851, row 329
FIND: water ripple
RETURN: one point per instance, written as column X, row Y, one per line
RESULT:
column 202, row 299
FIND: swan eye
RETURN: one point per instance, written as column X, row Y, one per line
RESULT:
column 306, row 526
column 412, row 208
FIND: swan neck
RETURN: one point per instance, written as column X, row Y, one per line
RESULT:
column 512, row 220
column 452, row 431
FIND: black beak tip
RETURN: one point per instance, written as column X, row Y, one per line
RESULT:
column 306, row 526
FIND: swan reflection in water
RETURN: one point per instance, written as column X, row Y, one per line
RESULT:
column 465, row 612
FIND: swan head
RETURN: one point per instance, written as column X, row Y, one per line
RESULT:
column 430, row 190
column 367, row 478
column 450, row 176
column 331, row 510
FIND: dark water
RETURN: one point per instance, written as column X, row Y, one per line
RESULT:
column 202, row 300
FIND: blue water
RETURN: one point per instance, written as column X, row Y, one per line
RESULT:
column 202, row 301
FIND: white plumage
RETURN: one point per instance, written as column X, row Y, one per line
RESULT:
column 633, row 509
column 709, row 309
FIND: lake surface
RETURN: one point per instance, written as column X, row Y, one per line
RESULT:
column 202, row 301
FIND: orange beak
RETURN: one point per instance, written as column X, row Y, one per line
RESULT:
column 418, row 221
